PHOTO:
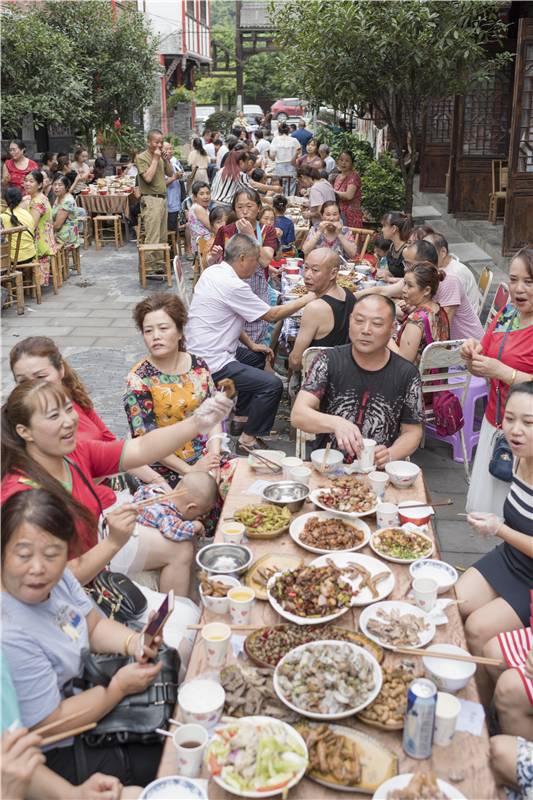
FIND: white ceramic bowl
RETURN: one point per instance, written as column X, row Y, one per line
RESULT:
column 334, row 460
column 219, row 605
column 201, row 700
column 402, row 473
column 171, row 787
column 445, row 575
column 449, row 676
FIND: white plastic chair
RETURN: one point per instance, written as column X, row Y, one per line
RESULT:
column 301, row 436
column 484, row 284
column 443, row 369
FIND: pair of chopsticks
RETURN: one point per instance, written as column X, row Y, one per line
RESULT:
column 157, row 499
column 487, row 662
column 233, row 627
column 448, row 502
column 57, row 737
column 270, row 464
column 324, row 463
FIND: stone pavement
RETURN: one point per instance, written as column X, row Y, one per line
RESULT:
column 90, row 320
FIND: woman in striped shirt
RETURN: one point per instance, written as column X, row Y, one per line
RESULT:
column 233, row 177
column 495, row 592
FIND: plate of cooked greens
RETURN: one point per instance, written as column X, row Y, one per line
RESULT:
column 264, row 520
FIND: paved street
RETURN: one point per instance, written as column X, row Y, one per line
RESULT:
column 90, row 319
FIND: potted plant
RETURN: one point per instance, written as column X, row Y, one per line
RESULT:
column 115, row 140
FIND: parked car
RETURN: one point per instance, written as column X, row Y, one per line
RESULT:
column 203, row 113
column 288, row 107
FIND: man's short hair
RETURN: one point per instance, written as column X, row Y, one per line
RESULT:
column 154, row 132
column 425, row 251
column 239, row 244
column 438, row 240
column 387, row 300
column 324, row 148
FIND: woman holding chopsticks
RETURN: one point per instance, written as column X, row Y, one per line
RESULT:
column 48, row 621
column 39, row 450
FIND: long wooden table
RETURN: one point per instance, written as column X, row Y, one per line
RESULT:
column 468, row 755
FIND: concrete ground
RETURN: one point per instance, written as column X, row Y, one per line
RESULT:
column 90, row 320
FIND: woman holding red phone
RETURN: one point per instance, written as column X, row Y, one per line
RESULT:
column 48, row 621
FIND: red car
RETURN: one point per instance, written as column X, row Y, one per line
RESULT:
column 288, row 107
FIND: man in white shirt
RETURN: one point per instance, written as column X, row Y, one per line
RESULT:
column 222, row 302
column 329, row 161
column 453, row 266
column 221, row 152
column 261, row 145
column 284, row 150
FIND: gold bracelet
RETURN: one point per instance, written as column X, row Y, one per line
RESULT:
column 127, row 641
column 513, row 377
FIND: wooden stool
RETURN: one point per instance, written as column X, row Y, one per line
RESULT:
column 34, row 268
column 12, row 280
column 75, row 253
column 87, row 232
column 171, row 239
column 99, row 238
column 62, row 263
column 160, row 248
column 56, row 268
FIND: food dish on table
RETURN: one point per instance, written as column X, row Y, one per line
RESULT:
column 265, row 567
column 327, row 680
column 370, row 579
column 320, row 532
column 310, row 594
column 346, row 495
column 387, row 712
column 276, row 456
column 250, row 691
column 256, row 757
column 396, row 624
column 401, row 545
column 263, row 519
column 268, row 645
column 345, row 758
column 445, row 575
column 422, row 785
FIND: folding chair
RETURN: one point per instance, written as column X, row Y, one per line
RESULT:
column 301, row 436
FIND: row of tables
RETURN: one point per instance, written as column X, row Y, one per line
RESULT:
column 468, row 755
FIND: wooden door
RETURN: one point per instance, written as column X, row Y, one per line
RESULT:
column 480, row 134
column 435, row 147
column 518, row 223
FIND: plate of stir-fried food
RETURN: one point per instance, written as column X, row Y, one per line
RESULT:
column 371, row 580
column 422, row 785
column 345, row 758
column 396, row 624
column 346, row 496
column 322, row 532
column 309, row 595
column 401, row 545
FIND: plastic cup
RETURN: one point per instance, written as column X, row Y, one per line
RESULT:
column 241, row 600
column 190, row 741
column 366, row 459
column 387, row 515
column 233, row 532
column 378, row 482
column 446, row 714
column 300, row 475
column 425, row 593
column 216, row 636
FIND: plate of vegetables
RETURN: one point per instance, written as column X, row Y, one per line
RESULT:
column 264, row 520
column 402, row 545
column 256, row 757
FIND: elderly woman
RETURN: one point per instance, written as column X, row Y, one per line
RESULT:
column 64, row 213
column 39, row 207
column 330, row 232
column 311, row 157
column 17, row 167
column 504, row 357
column 320, row 191
column 47, row 623
column 348, row 191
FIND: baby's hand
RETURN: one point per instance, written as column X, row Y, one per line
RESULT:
column 199, row 528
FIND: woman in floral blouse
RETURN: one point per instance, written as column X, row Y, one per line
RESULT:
column 65, row 214
column 348, row 191
column 39, row 207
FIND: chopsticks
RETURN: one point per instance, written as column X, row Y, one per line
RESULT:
column 156, row 499
column 59, row 721
column 325, row 457
column 448, row 502
column 488, row 662
column 233, row 627
column 271, row 464
column 67, row 734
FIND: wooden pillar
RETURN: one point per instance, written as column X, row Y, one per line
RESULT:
column 435, row 145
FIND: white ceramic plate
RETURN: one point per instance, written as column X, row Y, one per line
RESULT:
column 342, row 558
column 378, row 680
column 171, row 788
column 259, row 721
column 298, row 524
column 445, row 575
column 276, row 456
column 410, row 529
column 315, row 498
column 401, row 781
column 293, row 617
column 397, row 605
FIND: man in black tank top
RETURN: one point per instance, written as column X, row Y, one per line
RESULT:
column 325, row 321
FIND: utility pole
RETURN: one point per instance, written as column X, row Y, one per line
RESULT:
column 238, row 55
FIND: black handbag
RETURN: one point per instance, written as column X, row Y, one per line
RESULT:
column 118, row 597
column 501, row 460
column 136, row 717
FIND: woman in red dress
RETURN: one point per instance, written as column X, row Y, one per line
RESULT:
column 348, row 191
column 17, row 167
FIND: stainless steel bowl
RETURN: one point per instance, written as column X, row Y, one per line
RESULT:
column 287, row 493
column 223, row 558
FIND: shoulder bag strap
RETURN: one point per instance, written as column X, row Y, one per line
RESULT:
column 90, row 487
column 427, row 326
column 500, row 351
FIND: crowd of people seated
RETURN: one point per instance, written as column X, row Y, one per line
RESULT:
column 66, row 516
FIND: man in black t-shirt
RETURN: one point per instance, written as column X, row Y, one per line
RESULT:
column 363, row 390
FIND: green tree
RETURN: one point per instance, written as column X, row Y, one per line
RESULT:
column 394, row 57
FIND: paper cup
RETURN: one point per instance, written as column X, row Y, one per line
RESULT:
column 366, row 459
column 233, row 532
column 300, row 475
column 190, row 741
column 425, row 593
column 446, row 714
column 387, row 515
column 241, row 600
column 378, row 482
column 288, row 463
column 216, row 636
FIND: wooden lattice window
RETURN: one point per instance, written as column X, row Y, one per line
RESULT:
column 439, row 121
column 525, row 140
column 486, row 119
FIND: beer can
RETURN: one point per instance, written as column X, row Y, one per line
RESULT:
column 420, row 718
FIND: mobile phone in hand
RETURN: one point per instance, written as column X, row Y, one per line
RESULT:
column 155, row 626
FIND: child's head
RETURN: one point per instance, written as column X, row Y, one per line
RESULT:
column 196, row 495
column 280, row 204
column 267, row 215
column 258, row 175
column 381, row 246
column 217, row 218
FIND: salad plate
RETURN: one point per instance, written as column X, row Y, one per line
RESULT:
column 274, row 748
column 367, row 571
column 297, row 529
column 402, row 625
